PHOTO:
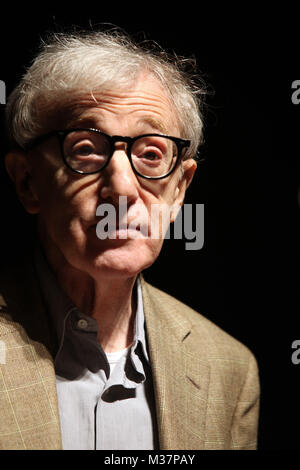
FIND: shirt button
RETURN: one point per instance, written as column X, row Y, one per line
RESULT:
column 82, row 324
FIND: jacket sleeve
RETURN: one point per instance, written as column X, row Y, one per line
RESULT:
column 244, row 427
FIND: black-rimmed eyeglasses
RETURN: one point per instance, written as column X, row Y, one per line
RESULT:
column 88, row 151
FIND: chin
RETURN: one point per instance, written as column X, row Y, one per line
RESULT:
column 125, row 259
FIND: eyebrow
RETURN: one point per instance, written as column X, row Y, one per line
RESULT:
column 155, row 124
column 85, row 121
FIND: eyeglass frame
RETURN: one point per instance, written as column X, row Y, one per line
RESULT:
column 112, row 139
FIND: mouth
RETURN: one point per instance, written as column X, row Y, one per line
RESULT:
column 120, row 232
column 133, row 228
column 125, row 233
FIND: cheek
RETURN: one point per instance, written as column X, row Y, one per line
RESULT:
column 161, row 206
column 162, row 191
column 65, row 197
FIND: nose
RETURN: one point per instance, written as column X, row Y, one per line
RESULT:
column 119, row 178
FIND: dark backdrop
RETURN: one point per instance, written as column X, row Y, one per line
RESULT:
column 244, row 278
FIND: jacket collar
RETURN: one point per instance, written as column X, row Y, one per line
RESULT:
column 181, row 377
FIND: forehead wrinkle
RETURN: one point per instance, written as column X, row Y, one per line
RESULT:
column 135, row 98
column 90, row 116
column 78, row 107
column 156, row 125
column 145, row 103
column 130, row 106
column 152, row 109
column 132, row 94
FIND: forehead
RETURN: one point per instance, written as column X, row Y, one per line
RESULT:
column 144, row 104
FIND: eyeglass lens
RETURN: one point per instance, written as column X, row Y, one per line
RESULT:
column 88, row 151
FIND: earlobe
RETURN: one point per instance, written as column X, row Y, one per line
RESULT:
column 18, row 169
column 189, row 168
column 174, row 212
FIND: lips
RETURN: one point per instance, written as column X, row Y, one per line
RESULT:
column 124, row 234
column 123, row 231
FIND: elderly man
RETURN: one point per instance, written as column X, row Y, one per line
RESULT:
column 95, row 357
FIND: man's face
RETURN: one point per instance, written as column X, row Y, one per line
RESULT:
column 67, row 202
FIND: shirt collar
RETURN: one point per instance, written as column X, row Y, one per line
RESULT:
column 58, row 303
column 62, row 309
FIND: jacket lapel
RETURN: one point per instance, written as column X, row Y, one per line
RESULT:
column 28, row 374
column 181, row 378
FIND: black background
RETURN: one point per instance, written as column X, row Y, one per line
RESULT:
column 246, row 277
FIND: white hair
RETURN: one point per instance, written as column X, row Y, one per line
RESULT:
column 70, row 64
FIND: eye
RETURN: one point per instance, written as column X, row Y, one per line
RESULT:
column 150, row 155
column 149, row 151
column 83, row 150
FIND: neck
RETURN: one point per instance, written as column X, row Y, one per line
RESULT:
column 110, row 301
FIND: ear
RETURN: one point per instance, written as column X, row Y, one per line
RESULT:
column 188, row 168
column 18, row 167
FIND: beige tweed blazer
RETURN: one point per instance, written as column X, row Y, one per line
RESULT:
column 206, row 383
